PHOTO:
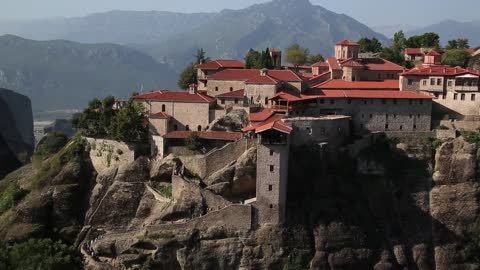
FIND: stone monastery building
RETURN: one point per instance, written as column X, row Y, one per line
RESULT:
column 327, row 103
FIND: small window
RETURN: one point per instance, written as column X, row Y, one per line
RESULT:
column 421, row 102
column 163, row 108
column 455, row 96
column 462, row 97
column 472, row 97
column 371, row 116
column 432, row 81
column 365, row 102
column 272, row 168
column 384, row 101
column 236, row 101
column 266, row 101
column 449, row 83
column 410, row 81
column 270, row 187
column 271, row 206
column 349, row 101
column 361, row 126
column 187, row 128
column 394, row 116
column 424, row 82
column 414, row 126
column 418, row 116
column 444, row 96
column 222, row 100
column 231, row 89
column 439, row 81
column 401, row 127
column 411, row 116
column 410, row 102
column 394, row 102
column 216, row 88
column 175, row 127
column 271, row 152
column 363, row 115
column 386, row 127
column 332, row 101
column 199, row 128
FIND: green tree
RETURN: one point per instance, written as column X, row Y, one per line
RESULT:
column 427, row 40
column 193, row 142
column 40, row 254
column 89, row 122
column 108, row 114
column 399, row 41
column 456, row 57
column 370, row 45
column 187, row 77
column 312, row 59
column 129, row 125
column 393, row 55
column 297, row 55
column 200, row 57
column 460, row 43
column 253, row 59
column 267, row 59
column 452, row 45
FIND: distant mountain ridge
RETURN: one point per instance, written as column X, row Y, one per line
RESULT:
column 173, row 38
column 452, row 29
column 64, row 75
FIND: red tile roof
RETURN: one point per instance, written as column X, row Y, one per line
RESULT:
column 439, row 70
column 217, row 64
column 247, row 74
column 175, row 96
column 233, row 94
column 275, row 125
column 375, row 94
column 262, row 79
column 344, row 85
column 348, row 42
column 373, row 64
column 271, row 118
column 260, row 116
column 160, row 115
column 352, row 63
column 320, row 64
column 413, row 51
column 284, row 95
column 206, row 135
column 433, row 53
column 470, row 50
column 333, row 63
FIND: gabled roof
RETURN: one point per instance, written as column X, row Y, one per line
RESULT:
column 439, row 70
column 344, row 85
column 413, row 51
column 352, row 63
column 288, row 96
column 272, row 118
column 262, row 79
column 206, row 135
column 348, row 42
column 233, row 94
column 260, row 116
column 175, row 96
column 433, row 53
column 320, row 64
column 247, row 74
column 160, row 115
column 217, row 64
column 372, row 64
column 275, row 125
column 333, row 63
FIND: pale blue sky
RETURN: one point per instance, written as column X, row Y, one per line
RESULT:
column 370, row 12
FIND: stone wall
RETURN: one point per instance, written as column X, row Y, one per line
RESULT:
column 233, row 218
column 457, row 105
column 158, row 127
column 258, row 94
column 308, row 130
column 189, row 114
column 107, row 154
column 217, row 87
column 205, row 165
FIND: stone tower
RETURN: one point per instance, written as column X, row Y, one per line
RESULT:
column 347, row 49
column 276, row 55
column 272, row 172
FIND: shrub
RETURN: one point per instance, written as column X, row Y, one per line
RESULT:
column 40, row 254
column 11, row 196
column 471, row 136
column 163, row 188
column 52, row 143
column 434, row 142
column 193, row 142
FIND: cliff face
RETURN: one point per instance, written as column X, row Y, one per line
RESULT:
column 400, row 206
column 16, row 130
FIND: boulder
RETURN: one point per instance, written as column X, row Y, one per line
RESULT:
column 161, row 170
column 233, row 121
column 244, row 182
column 455, row 162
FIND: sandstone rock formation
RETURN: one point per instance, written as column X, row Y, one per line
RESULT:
column 233, row 121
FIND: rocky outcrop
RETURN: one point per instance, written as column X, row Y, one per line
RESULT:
column 16, row 131
column 232, row 121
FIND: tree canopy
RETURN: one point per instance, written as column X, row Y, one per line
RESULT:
column 189, row 75
column 258, row 60
column 460, row 43
column 456, row 57
column 297, row 55
column 370, row 45
column 427, row 40
column 315, row 58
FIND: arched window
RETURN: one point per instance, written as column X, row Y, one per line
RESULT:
column 163, row 108
column 187, row 127
column 199, row 128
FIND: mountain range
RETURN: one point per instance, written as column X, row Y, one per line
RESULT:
column 452, row 29
column 63, row 74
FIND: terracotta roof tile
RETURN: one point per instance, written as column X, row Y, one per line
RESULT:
column 260, row 116
column 344, row 85
column 216, row 64
column 233, row 94
column 375, row 94
column 433, row 53
column 348, row 42
column 262, row 79
column 333, row 63
column 438, row 70
column 206, row 135
column 247, row 74
column 160, row 115
column 175, row 96
column 320, row 64
column 413, row 51
column 276, row 125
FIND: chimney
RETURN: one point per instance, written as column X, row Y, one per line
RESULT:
column 263, row 72
column 192, row 89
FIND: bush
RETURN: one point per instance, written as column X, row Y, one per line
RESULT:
column 471, row 136
column 39, row 254
column 51, row 144
column 434, row 142
column 11, row 196
column 163, row 188
column 193, row 142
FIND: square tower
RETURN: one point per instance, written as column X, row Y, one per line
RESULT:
column 272, row 172
column 347, row 49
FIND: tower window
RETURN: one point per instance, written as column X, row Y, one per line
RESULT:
column 462, row 96
column 271, row 152
column 236, row 101
column 216, row 88
column 163, row 108
column 187, row 128
column 473, row 97
column 272, row 168
column 270, row 187
column 271, row 206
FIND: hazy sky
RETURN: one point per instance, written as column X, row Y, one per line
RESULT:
column 370, row 12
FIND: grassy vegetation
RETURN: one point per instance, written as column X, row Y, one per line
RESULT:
column 471, row 136
column 52, row 143
column 11, row 196
column 163, row 188
column 442, row 127
column 434, row 142
column 297, row 262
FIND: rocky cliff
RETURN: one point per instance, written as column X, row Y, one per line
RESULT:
column 394, row 206
column 16, row 130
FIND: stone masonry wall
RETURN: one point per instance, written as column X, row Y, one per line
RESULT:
column 217, row 87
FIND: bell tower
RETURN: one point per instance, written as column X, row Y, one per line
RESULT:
column 347, row 49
